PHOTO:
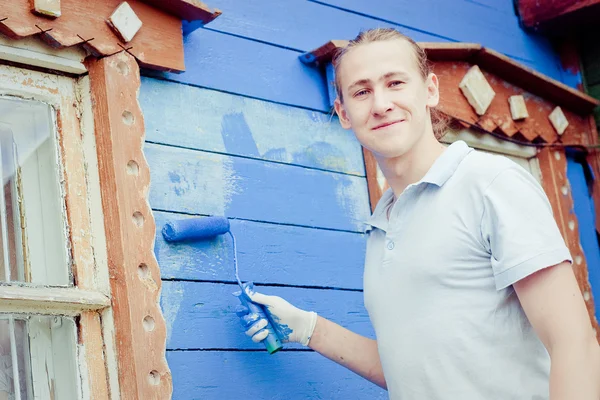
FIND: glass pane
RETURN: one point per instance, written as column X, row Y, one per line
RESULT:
column 37, row 357
column 33, row 234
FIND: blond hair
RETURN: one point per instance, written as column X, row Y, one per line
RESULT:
column 439, row 121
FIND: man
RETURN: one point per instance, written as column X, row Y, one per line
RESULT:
column 467, row 281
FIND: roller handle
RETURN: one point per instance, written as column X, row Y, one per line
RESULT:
column 272, row 342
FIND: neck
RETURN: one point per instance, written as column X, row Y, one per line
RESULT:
column 412, row 166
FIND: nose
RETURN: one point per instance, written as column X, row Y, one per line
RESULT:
column 381, row 103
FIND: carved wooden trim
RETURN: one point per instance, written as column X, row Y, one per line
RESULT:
column 593, row 159
column 488, row 60
column 158, row 45
column 565, row 15
column 130, row 229
column 553, row 165
column 189, row 10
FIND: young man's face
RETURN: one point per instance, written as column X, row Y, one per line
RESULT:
column 385, row 97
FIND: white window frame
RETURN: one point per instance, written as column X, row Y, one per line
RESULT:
column 70, row 95
column 526, row 156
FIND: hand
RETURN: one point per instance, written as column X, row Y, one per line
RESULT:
column 291, row 324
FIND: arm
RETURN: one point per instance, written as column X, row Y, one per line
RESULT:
column 355, row 352
column 554, row 305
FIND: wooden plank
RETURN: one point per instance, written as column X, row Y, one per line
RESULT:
column 202, row 315
column 271, row 73
column 454, row 103
column 566, row 14
column 31, row 51
column 158, row 45
column 189, row 10
column 197, row 118
column 584, row 210
column 50, row 300
column 134, row 274
column 535, row 82
column 196, row 182
column 297, row 24
column 553, row 165
column 267, row 253
column 216, row 375
column 593, row 159
column 375, row 187
column 436, row 51
column 466, row 21
column 90, row 334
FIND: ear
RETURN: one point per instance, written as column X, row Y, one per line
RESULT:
column 342, row 114
column 433, row 91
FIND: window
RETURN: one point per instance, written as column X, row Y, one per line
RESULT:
column 525, row 156
column 37, row 351
column 52, row 281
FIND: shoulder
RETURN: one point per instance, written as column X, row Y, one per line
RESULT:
column 480, row 169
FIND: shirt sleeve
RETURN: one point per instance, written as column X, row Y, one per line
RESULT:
column 518, row 227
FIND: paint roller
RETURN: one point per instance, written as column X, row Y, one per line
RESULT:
column 203, row 228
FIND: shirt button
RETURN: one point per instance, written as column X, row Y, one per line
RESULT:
column 390, row 245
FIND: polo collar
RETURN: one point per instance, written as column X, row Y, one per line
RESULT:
column 439, row 173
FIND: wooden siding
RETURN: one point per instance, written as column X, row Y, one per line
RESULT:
column 246, row 132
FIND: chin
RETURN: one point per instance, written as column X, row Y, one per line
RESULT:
column 390, row 152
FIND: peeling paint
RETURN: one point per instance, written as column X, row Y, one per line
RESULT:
column 172, row 296
column 351, row 195
column 204, row 119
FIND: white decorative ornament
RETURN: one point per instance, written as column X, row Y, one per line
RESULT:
column 477, row 90
column 124, row 22
column 558, row 120
column 518, row 108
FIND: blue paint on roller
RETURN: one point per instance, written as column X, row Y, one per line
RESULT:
column 195, row 229
column 209, row 227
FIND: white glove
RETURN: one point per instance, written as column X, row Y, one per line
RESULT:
column 291, row 324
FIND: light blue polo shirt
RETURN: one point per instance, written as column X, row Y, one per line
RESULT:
column 438, row 280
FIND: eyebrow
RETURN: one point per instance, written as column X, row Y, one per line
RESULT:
column 392, row 74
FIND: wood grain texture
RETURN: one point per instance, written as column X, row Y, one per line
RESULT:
column 213, row 375
column 593, row 159
column 537, row 125
column 536, row 82
column 553, row 164
column 271, row 73
column 77, row 206
column 202, row 315
column 90, row 334
column 130, row 230
column 202, row 119
column 267, row 253
column 297, row 24
column 158, row 45
column 61, row 93
column 376, row 189
column 189, row 10
column 461, row 21
column 586, row 217
column 196, row 182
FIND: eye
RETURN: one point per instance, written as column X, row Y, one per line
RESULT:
column 396, row 83
column 360, row 93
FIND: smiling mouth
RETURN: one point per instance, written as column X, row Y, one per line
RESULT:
column 388, row 124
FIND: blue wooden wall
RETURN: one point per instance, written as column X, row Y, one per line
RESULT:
column 245, row 132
